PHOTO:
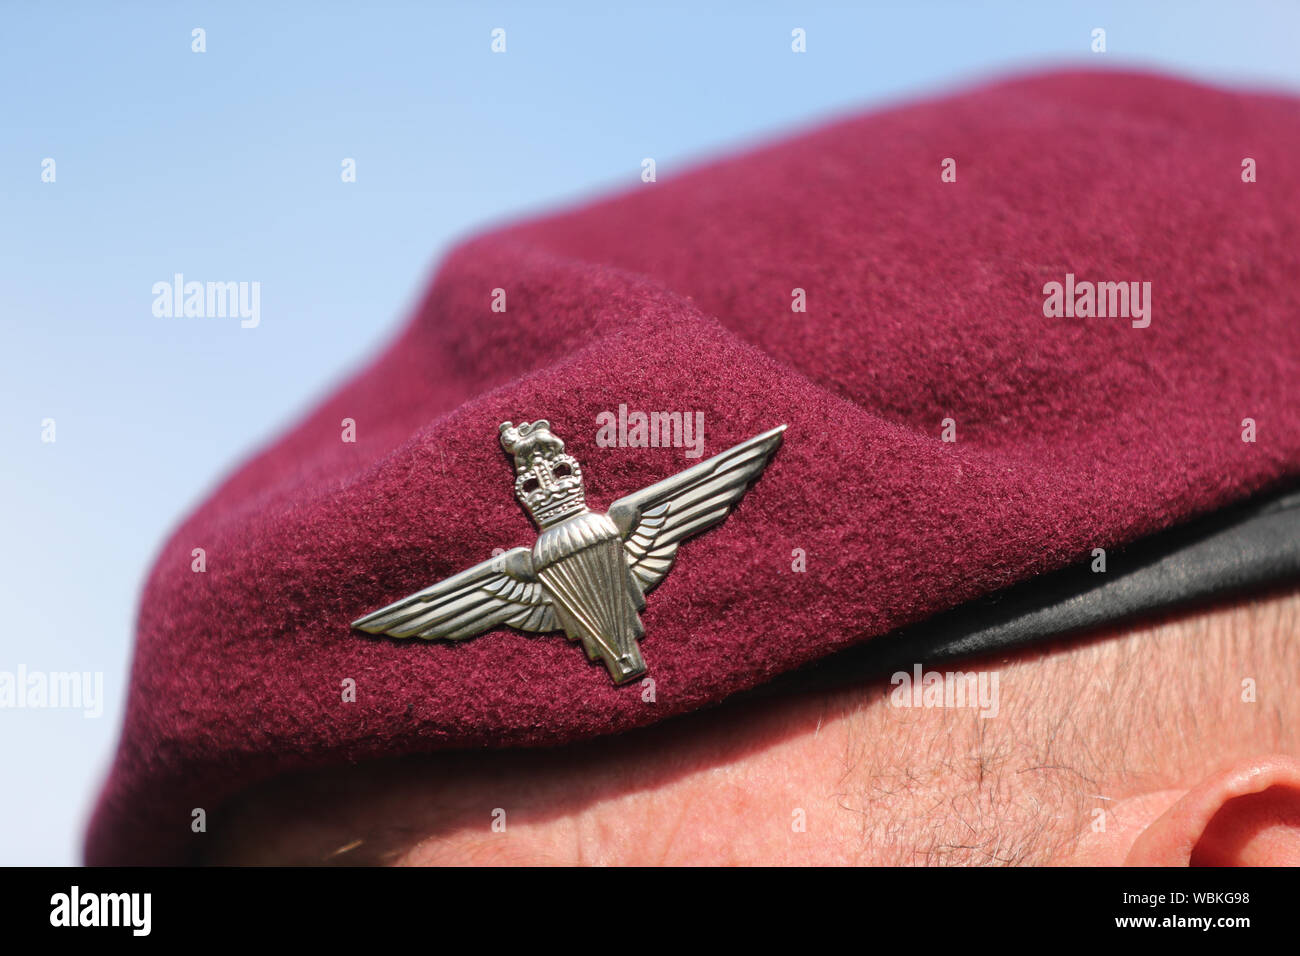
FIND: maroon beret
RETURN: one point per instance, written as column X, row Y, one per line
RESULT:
column 928, row 297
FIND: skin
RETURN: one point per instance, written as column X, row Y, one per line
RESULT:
column 1134, row 746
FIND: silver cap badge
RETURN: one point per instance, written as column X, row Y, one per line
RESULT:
column 588, row 573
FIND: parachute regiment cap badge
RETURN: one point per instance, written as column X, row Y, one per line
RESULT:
column 587, row 573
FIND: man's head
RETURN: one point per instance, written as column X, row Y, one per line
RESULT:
column 1174, row 742
column 953, row 438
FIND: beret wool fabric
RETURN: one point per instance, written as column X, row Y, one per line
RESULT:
column 924, row 302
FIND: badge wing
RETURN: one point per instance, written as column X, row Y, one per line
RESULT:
column 501, row 590
column 655, row 520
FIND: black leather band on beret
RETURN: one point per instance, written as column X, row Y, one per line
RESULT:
column 1232, row 552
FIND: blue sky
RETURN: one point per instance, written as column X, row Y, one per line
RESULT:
column 226, row 165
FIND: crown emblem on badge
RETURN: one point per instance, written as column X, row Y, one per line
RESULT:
column 548, row 482
column 587, row 573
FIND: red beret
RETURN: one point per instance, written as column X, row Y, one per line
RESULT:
column 878, row 286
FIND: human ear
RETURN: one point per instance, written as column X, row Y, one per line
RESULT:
column 1246, row 815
